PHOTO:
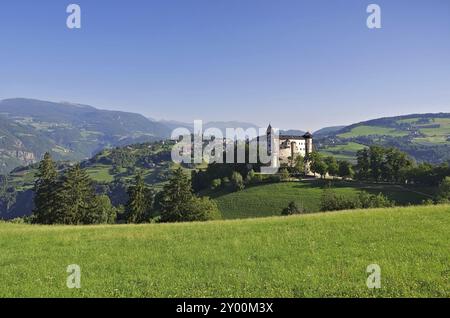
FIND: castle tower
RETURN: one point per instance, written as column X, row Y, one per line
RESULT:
column 308, row 143
column 269, row 133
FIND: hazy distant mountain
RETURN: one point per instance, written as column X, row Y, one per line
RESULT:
column 292, row 132
column 222, row 125
column 173, row 124
column 29, row 128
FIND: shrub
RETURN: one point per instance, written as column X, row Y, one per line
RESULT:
column 284, row 174
column 257, row 178
column 367, row 201
column 292, row 208
column 237, row 182
column 225, row 182
column 330, row 201
column 201, row 209
column 216, row 184
column 250, row 177
column 274, row 178
column 443, row 195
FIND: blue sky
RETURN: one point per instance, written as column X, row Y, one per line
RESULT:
column 298, row 64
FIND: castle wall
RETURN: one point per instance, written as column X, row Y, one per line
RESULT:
column 289, row 147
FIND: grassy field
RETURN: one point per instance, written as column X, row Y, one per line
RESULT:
column 317, row 255
column 345, row 151
column 100, row 173
column 270, row 199
column 372, row 130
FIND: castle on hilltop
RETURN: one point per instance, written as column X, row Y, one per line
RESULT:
column 287, row 147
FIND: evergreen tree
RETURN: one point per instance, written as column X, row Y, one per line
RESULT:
column 45, row 189
column 101, row 211
column 177, row 203
column 175, row 196
column 139, row 202
column 76, row 197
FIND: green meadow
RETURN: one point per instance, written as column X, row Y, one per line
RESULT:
column 372, row 130
column 315, row 255
column 346, row 151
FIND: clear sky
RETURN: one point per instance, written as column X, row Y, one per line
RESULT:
column 298, row 64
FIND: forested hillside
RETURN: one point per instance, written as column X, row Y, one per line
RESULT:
column 29, row 128
column 425, row 137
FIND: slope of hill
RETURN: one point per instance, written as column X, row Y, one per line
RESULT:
column 426, row 137
column 29, row 128
column 327, row 131
column 271, row 199
column 321, row 255
column 111, row 169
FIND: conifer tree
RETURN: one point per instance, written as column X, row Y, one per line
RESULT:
column 139, row 202
column 175, row 195
column 76, row 197
column 45, row 190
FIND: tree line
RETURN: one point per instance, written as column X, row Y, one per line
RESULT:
column 380, row 164
column 70, row 198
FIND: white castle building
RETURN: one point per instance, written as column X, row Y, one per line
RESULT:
column 289, row 146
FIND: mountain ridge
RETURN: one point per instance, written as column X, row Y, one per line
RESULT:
column 71, row 131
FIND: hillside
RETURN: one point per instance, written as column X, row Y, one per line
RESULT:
column 426, row 137
column 320, row 255
column 270, row 199
column 29, row 128
column 74, row 132
column 114, row 169
column 111, row 169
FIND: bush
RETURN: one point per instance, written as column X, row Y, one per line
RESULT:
column 250, row 177
column 443, row 195
column 201, row 209
column 274, row 178
column 332, row 202
column 216, row 184
column 367, row 201
column 225, row 182
column 427, row 202
column 17, row 221
column 292, row 208
column 237, row 182
column 284, row 174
